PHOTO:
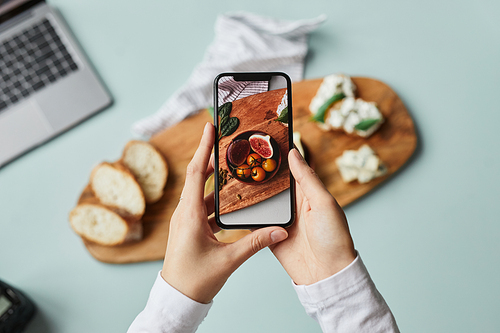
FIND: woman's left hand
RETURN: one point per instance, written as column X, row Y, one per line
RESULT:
column 196, row 263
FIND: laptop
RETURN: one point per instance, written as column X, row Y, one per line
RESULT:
column 46, row 83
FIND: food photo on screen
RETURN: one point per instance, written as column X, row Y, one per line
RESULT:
column 253, row 143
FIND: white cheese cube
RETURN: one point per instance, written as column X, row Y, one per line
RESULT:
column 371, row 163
column 362, row 164
column 365, row 151
column 331, row 85
column 348, row 174
column 335, row 119
column 349, row 157
column 363, row 109
column 348, row 104
column 298, row 143
column 352, row 120
column 364, row 176
column 283, row 104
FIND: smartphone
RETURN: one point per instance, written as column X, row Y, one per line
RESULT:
column 254, row 133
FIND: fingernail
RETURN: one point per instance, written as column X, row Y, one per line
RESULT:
column 299, row 155
column 206, row 128
column 278, row 235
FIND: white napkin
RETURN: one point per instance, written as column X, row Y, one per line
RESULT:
column 243, row 42
column 229, row 90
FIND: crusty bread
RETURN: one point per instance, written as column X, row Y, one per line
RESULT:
column 102, row 225
column 114, row 185
column 148, row 166
column 111, row 206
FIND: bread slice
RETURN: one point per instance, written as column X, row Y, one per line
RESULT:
column 114, row 185
column 148, row 166
column 102, row 225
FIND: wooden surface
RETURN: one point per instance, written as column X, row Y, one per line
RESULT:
column 177, row 144
column 256, row 113
column 394, row 142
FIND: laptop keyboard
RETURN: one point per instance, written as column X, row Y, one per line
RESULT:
column 31, row 60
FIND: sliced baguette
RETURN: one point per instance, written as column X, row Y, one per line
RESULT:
column 148, row 166
column 114, row 185
column 101, row 225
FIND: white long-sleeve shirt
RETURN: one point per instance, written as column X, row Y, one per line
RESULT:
column 345, row 302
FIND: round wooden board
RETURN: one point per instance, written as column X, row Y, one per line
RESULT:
column 394, row 143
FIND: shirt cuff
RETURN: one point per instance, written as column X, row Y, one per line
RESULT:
column 169, row 310
column 347, row 301
column 332, row 287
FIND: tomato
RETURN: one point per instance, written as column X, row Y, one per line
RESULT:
column 254, row 160
column 269, row 165
column 258, row 174
column 243, row 171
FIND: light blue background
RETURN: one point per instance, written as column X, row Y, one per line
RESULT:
column 429, row 236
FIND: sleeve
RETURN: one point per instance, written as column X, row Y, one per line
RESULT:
column 347, row 301
column 169, row 311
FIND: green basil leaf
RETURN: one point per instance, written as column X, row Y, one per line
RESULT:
column 229, row 126
column 223, row 123
column 225, row 109
column 366, row 124
column 320, row 115
column 283, row 117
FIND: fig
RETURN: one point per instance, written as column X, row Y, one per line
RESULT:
column 238, row 151
column 261, row 144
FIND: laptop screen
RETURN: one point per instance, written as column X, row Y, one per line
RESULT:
column 7, row 5
column 11, row 8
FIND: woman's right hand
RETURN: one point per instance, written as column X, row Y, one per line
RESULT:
column 319, row 243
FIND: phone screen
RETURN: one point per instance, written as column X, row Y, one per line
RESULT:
column 253, row 117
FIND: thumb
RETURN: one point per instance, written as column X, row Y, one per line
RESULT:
column 309, row 183
column 256, row 241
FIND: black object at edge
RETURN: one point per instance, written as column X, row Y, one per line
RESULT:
column 264, row 76
column 23, row 310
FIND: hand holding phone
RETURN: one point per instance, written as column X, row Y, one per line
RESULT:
column 253, row 183
column 319, row 243
column 196, row 263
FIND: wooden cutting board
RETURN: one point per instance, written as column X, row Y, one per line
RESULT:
column 255, row 113
column 394, row 143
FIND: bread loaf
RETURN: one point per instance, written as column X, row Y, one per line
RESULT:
column 111, row 206
column 102, row 225
column 148, row 166
column 114, row 185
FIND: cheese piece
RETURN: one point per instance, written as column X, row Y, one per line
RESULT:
column 362, row 164
column 352, row 112
column 364, row 176
column 298, row 143
column 331, row 85
column 283, row 103
column 348, row 173
column 372, row 162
